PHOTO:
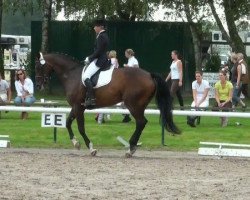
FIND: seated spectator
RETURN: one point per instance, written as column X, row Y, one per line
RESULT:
column 200, row 90
column 5, row 92
column 25, row 91
column 223, row 96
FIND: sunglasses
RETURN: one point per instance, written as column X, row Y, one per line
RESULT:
column 20, row 74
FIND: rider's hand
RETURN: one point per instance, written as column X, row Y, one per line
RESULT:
column 86, row 61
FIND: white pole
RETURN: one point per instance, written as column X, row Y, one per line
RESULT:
column 125, row 111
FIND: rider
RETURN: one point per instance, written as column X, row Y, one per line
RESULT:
column 97, row 60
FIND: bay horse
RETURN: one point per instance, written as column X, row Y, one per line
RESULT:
column 133, row 86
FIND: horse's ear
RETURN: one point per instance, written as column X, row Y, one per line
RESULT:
column 42, row 61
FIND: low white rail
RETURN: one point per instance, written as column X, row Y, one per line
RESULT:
column 125, row 111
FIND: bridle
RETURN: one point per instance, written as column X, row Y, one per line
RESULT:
column 41, row 79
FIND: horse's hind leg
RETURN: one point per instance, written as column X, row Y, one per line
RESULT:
column 70, row 119
column 141, row 122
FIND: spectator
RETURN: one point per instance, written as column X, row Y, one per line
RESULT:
column 244, row 74
column 132, row 62
column 114, row 60
column 114, row 63
column 176, row 75
column 223, row 95
column 5, row 92
column 25, row 91
column 200, row 90
column 236, row 81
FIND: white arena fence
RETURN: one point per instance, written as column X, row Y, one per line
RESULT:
column 124, row 111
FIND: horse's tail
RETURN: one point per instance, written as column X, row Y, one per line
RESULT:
column 164, row 102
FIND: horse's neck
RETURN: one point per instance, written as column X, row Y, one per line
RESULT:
column 68, row 75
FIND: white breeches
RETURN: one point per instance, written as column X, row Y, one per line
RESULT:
column 204, row 104
column 90, row 70
column 3, row 97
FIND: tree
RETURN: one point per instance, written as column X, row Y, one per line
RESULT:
column 1, row 49
column 18, row 23
column 233, row 11
column 129, row 10
column 194, row 12
column 47, row 10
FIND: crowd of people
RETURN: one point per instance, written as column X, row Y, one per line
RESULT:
column 232, row 82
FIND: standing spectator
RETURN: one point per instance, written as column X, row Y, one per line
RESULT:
column 5, row 92
column 244, row 74
column 114, row 61
column 223, row 95
column 236, row 81
column 176, row 75
column 200, row 90
column 25, row 91
column 132, row 62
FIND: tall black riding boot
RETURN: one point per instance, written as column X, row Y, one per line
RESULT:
column 90, row 96
column 191, row 120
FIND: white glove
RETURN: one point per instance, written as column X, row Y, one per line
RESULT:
column 86, row 61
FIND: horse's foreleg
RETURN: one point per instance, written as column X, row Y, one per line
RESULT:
column 140, row 125
column 73, row 139
column 81, row 127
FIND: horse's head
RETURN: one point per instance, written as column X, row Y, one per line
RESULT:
column 42, row 71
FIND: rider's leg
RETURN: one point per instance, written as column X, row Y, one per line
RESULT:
column 86, row 75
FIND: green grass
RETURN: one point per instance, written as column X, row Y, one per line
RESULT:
column 29, row 133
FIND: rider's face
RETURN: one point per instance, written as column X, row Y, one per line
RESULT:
column 97, row 29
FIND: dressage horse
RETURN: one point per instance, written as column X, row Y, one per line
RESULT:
column 133, row 86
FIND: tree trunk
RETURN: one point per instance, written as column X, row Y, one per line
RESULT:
column 233, row 38
column 1, row 48
column 219, row 23
column 47, row 6
column 195, row 35
column 237, row 44
column 197, row 47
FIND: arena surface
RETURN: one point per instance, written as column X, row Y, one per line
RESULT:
column 155, row 175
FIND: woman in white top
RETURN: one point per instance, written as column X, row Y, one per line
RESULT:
column 132, row 61
column 25, row 91
column 176, row 75
column 200, row 90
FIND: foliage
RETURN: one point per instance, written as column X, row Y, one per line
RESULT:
column 87, row 10
column 213, row 64
column 17, row 16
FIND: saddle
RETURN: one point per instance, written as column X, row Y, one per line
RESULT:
column 102, row 77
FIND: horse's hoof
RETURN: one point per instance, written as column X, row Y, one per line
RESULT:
column 93, row 152
column 128, row 155
column 130, row 152
column 78, row 145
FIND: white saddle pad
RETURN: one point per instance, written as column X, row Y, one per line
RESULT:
column 104, row 77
